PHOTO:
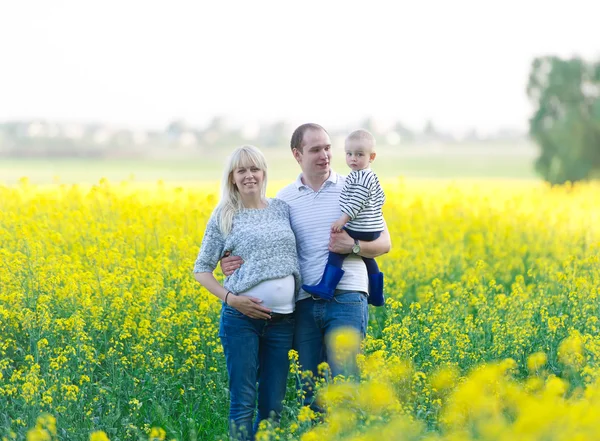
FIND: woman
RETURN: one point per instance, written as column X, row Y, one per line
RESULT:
column 257, row 322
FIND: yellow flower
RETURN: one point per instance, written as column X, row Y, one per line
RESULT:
column 375, row 396
column 341, row 420
column 48, row 422
column 98, row 435
column 570, row 351
column 555, row 386
column 157, row 434
column 306, row 415
column 323, row 369
column 445, row 378
column 336, row 393
column 96, row 280
column 345, row 344
column 311, row 436
column 38, row 434
column 554, row 323
column 536, row 361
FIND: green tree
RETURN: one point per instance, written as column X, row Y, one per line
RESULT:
column 566, row 119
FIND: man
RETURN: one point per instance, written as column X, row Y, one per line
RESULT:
column 314, row 206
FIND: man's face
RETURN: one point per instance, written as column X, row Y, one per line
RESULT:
column 315, row 157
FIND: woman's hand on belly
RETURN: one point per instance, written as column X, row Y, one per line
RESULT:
column 249, row 306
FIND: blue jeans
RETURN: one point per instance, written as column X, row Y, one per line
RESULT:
column 255, row 351
column 315, row 319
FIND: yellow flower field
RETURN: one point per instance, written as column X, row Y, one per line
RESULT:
column 491, row 330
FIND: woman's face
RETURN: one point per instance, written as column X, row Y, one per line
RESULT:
column 248, row 180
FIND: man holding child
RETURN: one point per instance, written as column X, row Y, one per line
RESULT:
column 314, row 201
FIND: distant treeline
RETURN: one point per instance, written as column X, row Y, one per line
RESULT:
column 39, row 138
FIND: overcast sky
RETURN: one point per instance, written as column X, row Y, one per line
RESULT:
column 462, row 63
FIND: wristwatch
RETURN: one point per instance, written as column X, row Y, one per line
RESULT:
column 356, row 247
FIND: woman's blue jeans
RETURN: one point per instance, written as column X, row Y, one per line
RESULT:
column 255, row 351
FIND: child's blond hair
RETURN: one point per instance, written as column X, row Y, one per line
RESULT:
column 363, row 136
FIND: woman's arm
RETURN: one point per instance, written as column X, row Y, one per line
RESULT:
column 211, row 251
column 342, row 243
column 249, row 306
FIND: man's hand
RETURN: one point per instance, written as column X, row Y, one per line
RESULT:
column 249, row 306
column 341, row 243
column 230, row 263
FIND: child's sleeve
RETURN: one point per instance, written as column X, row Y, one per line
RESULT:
column 354, row 197
column 211, row 249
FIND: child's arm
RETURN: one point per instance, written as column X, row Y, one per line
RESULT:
column 338, row 225
column 353, row 199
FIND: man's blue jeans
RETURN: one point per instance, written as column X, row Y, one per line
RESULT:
column 255, row 351
column 315, row 319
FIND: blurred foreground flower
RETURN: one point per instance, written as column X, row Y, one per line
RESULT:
column 98, row 435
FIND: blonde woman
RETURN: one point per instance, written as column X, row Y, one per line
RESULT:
column 257, row 321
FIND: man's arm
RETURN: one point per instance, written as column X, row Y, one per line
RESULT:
column 342, row 243
column 230, row 263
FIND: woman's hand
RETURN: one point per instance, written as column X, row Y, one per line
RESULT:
column 249, row 306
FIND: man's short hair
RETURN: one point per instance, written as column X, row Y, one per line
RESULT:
column 298, row 135
column 362, row 135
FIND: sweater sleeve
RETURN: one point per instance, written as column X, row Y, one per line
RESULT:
column 354, row 196
column 282, row 207
column 212, row 248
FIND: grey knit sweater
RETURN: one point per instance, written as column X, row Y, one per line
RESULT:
column 263, row 238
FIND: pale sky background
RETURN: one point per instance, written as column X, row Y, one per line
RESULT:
column 462, row 63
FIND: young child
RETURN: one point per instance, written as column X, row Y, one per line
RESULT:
column 360, row 201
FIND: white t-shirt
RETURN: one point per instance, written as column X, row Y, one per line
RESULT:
column 276, row 294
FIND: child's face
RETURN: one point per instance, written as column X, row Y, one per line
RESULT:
column 359, row 154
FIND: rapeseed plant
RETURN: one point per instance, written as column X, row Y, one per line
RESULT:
column 490, row 332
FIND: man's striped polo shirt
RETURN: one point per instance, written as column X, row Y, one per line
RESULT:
column 311, row 215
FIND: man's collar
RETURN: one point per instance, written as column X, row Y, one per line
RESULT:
column 333, row 178
column 299, row 183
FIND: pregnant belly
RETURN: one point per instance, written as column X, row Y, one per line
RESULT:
column 276, row 294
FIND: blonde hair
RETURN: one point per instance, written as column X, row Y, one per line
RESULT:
column 362, row 135
column 231, row 202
